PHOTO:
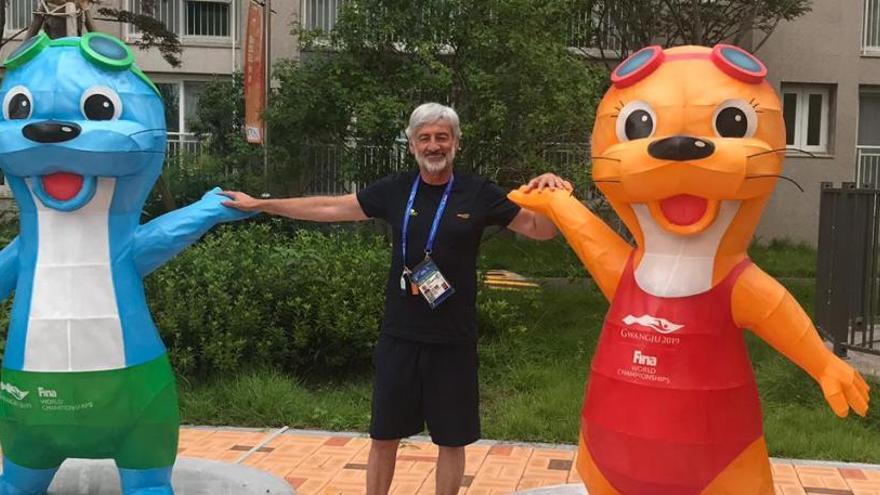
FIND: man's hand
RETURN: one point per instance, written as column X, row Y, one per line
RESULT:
column 548, row 180
column 215, row 200
column 241, row 201
column 542, row 201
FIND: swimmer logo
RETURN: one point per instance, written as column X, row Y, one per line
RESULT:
column 658, row 324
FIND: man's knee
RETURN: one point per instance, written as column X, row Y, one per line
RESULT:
column 385, row 445
column 451, row 452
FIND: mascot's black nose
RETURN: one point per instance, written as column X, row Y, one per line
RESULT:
column 51, row 131
column 681, row 148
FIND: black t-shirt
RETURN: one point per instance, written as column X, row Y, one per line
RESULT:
column 474, row 203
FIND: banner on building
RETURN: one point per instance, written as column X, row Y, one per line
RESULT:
column 254, row 76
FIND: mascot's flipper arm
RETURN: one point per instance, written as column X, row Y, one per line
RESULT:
column 765, row 306
column 600, row 249
column 161, row 239
column 8, row 268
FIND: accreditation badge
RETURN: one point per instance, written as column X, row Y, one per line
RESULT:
column 431, row 283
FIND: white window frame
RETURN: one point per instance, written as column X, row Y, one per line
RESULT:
column 803, row 92
column 132, row 35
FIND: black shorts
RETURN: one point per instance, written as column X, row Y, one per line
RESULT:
column 418, row 383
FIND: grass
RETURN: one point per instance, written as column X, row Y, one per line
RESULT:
column 532, row 385
column 784, row 258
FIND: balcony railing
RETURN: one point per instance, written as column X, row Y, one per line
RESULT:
column 868, row 166
column 871, row 28
column 183, row 143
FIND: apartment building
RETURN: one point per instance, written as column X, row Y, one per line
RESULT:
column 826, row 67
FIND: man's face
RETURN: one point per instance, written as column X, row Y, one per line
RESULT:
column 433, row 146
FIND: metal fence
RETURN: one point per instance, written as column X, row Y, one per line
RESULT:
column 588, row 29
column 182, row 142
column 343, row 168
column 848, row 277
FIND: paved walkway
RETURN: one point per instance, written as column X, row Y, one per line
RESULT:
column 335, row 463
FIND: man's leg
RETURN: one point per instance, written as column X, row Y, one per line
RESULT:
column 451, row 394
column 380, row 466
column 397, row 407
column 450, row 470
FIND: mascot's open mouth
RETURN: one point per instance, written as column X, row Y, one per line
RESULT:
column 64, row 191
column 62, row 186
column 684, row 213
column 684, row 209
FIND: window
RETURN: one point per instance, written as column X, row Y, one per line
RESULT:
column 169, row 12
column 871, row 27
column 181, row 103
column 868, row 147
column 171, row 97
column 806, row 111
column 19, row 14
column 191, row 18
column 321, row 14
column 209, row 18
column 192, row 91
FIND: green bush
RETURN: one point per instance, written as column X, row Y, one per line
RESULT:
column 249, row 296
column 274, row 295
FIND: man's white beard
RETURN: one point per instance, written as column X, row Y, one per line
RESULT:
column 436, row 167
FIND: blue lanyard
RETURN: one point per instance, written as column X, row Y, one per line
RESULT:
column 437, row 216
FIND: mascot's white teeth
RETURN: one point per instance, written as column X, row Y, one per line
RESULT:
column 62, row 186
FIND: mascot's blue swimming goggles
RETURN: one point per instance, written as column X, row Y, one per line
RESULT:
column 102, row 49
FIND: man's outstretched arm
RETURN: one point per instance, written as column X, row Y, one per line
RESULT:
column 313, row 208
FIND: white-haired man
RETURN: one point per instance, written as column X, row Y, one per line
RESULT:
column 426, row 356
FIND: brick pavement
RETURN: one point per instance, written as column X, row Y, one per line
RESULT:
column 330, row 463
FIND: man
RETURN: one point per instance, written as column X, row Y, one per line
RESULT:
column 426, row 356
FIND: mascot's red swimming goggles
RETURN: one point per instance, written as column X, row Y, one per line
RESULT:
column 732, row 60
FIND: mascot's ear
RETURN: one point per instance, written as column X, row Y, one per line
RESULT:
column 739, row 64
column 637, row 66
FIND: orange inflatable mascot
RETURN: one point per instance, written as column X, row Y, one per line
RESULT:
column 688, row 145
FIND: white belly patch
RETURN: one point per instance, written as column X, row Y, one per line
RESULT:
column 676, row 265
column 74, row 321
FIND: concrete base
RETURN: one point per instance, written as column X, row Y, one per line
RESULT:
column 191, row 477
column 572, row 489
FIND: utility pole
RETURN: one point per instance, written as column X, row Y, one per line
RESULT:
column 267, row 57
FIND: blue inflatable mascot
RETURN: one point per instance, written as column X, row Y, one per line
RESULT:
column 85, row 375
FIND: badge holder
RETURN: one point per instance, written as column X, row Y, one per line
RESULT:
column 431, row 283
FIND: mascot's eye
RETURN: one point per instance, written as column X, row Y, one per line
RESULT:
column 18, row 104
column 636, row 120
column 735, row 119
column 101, row 103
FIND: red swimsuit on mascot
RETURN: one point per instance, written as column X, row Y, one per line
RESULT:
column 687, row 147
column 671, row 390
